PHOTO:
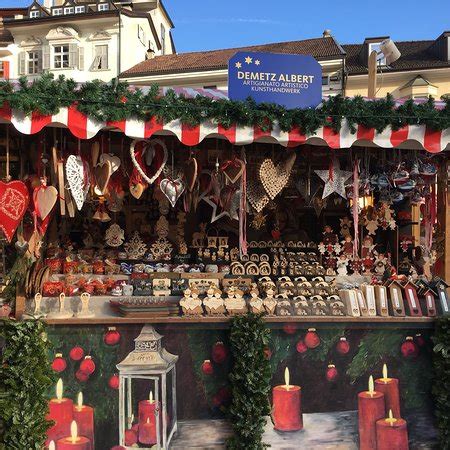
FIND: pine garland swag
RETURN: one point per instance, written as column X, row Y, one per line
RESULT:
column 25, row 379
column 115, row 101
column 441, row 384
column 250, row 382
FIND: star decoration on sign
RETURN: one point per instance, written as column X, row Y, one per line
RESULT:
column 248, row 60
column 257, row 62
column 238, row 65
column 334, row 179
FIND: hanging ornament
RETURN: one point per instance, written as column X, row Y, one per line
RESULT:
column 207, row 367
column 190, row 173
column 156, row 146
column 87, row 365
column 290, row 328
column 59, row 363
column 334, row 179
column 343, row 347
column 101, row 214
column 275, row 178
column 81, row 376
column 114, row 161
column 172, row 189
column 219, row 352
column 113, row 381
column 301, row 346
column 409, row 348
column 102, row 174
column 76, row 353
column 114, row 236
column 44, row 199
column 112, row 336
column 419, row 340
column 214, row 216
column 267, row 353
column 332, row 372
column 258, row 221
column 77, row 179
column 256, row 195
column 135, row 247
column 14, row 199
column 312, row 339
column 233, row 170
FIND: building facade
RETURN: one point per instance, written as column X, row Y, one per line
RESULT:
column 84, row 39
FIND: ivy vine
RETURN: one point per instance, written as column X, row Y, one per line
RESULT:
column 250, row 381
column 115, row 101
column 25, row 378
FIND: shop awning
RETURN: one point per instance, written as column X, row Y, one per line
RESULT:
column 81, row 126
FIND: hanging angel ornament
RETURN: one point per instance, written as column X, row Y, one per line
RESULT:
column 334, row 179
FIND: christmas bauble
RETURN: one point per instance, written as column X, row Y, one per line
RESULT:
column 207, row 367
column 312, row 339
column 113, row 381
column 112, row 336
column 343, row 347
column 131, row 437
column 301, row 347
column 267, row 353
column 409, row 348
column 81, row 376
column 289, row 328
column 59, row 363
column 332, row 372
column 76, row 353
column 419, row 340
column 219, row 352
column 216, row 400
column 87, row 365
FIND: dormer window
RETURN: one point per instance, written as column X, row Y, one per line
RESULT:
column 34, row 14
column 103, row 7
column 79, row 9
column 57, row 12
column 68, row 10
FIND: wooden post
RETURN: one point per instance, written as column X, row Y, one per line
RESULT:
column 443, row 215
column 372, row 80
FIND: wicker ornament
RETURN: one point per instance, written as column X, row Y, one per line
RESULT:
column 256, row 195
column 275, row 178
column 150, row 147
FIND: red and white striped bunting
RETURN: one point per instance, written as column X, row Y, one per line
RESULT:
column 83, row 127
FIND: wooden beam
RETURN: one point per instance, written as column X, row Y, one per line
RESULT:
column 372, row 80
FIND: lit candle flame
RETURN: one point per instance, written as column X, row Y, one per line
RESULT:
column 51, row 446
column 371, row 386
column 150, row 397
column 286, row 377
column 391, row 419
column 59, row 389
column 148, row 419
column 385, row 372
column 80, row 400
column 74, row 432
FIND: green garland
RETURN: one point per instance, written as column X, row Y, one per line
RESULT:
column 115, row 102
column 441, row 384
column 26, row 377
column 250, row 382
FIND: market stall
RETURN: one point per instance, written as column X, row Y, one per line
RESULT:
column 333, row 229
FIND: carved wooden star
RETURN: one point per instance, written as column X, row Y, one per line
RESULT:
column 334, row 180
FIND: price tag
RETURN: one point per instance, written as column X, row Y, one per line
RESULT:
column 443, row 300
column 396, row 300
column 412, row 299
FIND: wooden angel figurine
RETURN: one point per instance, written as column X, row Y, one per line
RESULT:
column 213, row 302
column 347, row 246
column 342, row 264
column 85, row 311
column 190, row 304
column 235, row 303
column 269, row 302
column 255, row 303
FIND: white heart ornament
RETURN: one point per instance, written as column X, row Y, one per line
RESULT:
column 76, row 179
column 172, row 189
column 113, row 160
column 45, row 199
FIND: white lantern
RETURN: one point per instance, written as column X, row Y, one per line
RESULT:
column 147, row 391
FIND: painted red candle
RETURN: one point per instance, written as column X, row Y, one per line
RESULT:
column 74, row 442
column 389, row 387
column 287, row 406
column 147, row 420
column 84, row 417
column 60, row 411
column 371, row 408
column 392, row 434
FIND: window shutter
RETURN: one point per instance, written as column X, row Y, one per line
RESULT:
column 81, row 58
column 46, row 57
column 39, row 53
column 73, row 56
column 104, row 57
column 22, row 63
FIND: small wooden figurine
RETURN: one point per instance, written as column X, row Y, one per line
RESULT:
column 269, row 302
column 213, row 302
column 255, row 303
column 235, row 303
column 190, row 304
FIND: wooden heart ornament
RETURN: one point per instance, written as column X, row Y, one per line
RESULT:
column 233, row 170
column 190, row 172
column 102, row 174
column 14, row 199
column 275, row 178
column 136, row 190
column 44, row 198
column 172, row 189
column 113, row 160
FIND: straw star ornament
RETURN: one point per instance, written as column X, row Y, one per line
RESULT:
column 334, row 179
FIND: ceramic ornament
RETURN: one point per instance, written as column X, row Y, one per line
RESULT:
column 275, row 178
column 334, row 179
column 150, row 147
column 113, row 160
column 75, row 174
column 14, row 200
column 172, row 189
column 44, row 198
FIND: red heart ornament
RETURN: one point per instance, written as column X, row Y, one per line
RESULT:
column 276, row 234
column 14, row 199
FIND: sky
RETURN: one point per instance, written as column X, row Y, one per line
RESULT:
column 211, row 24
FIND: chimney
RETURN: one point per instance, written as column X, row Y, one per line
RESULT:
column 326, row 33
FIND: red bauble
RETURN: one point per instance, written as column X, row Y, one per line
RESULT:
column 113, row 381
column 87, row 365
column 131, row 437
column 312, row 339
column 409, row 348
column 219, row 352
column 289, row 328
column 332, row 372
column 207, row 367
column 59, row 363
column 301, row 347
column 419, row 340
column 343, row 347
column 112, row 336
column 76, row 353
column 216, row 400
column 267, row 353
column 81, row 376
